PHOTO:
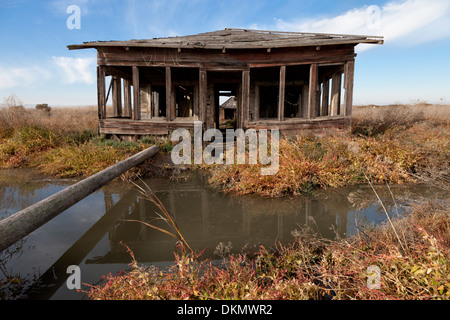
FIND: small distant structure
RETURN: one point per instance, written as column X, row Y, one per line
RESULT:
column 43, row 107
column 227, row 110
column 292, row 81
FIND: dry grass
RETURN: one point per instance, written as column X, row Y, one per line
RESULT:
column 62, row 143
column 392, row 144
column 63, row 120
column 372, row 120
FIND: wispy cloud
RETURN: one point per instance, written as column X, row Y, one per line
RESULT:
column 11, row 77
column 75, row 70
column 407, row 22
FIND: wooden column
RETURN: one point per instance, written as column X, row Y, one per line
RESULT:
column 203, row 89
column 317, row 106
column 148, row 100
column 257, row 103
column 305, row 99
column 136, row 94
column 325, row 98
column 155, row 98
column 127, row 98
column 281, row 93
column 117, row 96
column 170, row 112
column 245, row 101
column 335, row 94
column 101, row 92
column 349, row 75
column 312, row 91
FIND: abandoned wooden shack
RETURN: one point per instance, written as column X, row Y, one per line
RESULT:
column 287, row 80
column 227, row 110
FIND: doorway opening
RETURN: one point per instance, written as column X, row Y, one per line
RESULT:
column 226, row 106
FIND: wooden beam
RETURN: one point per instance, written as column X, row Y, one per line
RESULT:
column 282, row 92
column 349, row 75
column 335, row 94
column 203, row 89
column 257, row 103
column 116, row 96
column 317, row 106
column 325, row 98
column 170, row 112
column 305, row 99
column 155, row 98
column 237, row 59
column 149, row 99
column 136, row 94
column 127, row 98
column 245, row 101
column 101, row 92
column 312, row 91
column 22, row 223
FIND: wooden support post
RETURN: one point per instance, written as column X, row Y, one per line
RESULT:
column 136, row 95
column 170, row 112
column 317, row 106
column 335, row 94
column 245, row 100
column 305, row 99
column 22, row 223
column 101, row 92
column 155, row 97
column 325, row 98
column 149, row 102
column 203, row 91
column 281, row 93
column 312, row 91
column 257, row 103
column 349, row 75
column 127, row 98
column 196, row 111
column 116, row 96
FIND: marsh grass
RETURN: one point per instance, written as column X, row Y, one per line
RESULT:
column 62, row 143
column 389, row 144
column 60, row 120
column 373, row 120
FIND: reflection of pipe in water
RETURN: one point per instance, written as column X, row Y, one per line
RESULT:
column 56, row 275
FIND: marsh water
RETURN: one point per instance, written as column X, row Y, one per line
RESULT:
column 89, row 234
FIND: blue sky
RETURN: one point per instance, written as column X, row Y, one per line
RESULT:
column 35, row 64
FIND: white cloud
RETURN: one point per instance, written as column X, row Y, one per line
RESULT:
column 76, row 69
column 24, row 76
column 409, row 22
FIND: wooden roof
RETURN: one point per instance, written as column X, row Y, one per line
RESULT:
column 239, row 39
column 229, row 104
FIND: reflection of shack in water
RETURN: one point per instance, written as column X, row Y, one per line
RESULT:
column 207, row 218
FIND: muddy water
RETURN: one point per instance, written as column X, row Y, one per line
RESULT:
column 89, row 233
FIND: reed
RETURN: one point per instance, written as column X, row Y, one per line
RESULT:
column 164, row 215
